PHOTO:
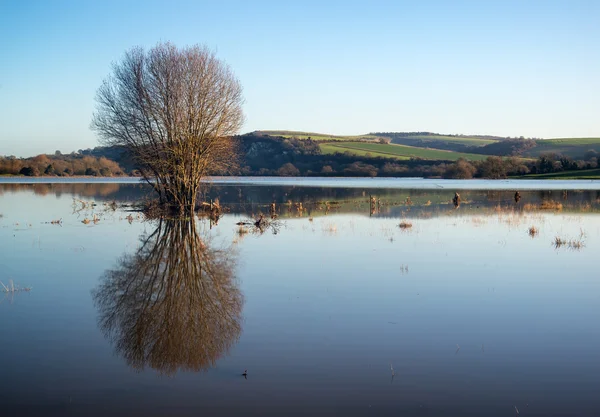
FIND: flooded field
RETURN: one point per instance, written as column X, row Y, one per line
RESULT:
column 347, row 299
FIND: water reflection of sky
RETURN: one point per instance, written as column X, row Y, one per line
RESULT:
column 329, row 304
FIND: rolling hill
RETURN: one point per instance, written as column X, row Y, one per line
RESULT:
column 434, row 140
column 572, row 147
column 401, row 152
column 315, row 136
column 290, row 153
column 401, row 146
column 472, row 147
column 584, row 174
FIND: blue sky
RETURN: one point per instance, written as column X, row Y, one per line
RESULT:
column 511, row 68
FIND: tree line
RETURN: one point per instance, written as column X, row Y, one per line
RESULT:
column 61, row 165
column 278, row 156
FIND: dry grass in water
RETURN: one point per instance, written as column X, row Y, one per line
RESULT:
column 260, row 224
column 405, row 224
column 387, row 231
column 575, row 244
column 111, row 206
column 533, row 231
column 551, row 205
column 546, row 205
column 330, row 228
column 559, row 242
column 513, row 220
column 478, row 221
column 11, row 288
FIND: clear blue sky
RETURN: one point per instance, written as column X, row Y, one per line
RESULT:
column 513, row 68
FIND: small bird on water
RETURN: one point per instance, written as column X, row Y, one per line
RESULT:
column 245, row 374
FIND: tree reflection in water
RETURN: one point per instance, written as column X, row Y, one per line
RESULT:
column 174, row 304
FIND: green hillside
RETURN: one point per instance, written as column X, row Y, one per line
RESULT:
column 432, row 139
column 573, row 147
column 395, row 137
column 585, row 174
column 396, row 151
column 434, row 146
column 315, row 136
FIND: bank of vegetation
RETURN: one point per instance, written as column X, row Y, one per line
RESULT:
column 82, row 163
column 262, row 154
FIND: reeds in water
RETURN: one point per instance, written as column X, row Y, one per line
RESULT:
column 575, row 244
column 545, row 205
column 405, row 224
column 11, row 288
column 533, row 231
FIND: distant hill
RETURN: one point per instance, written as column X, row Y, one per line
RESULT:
column 407, row 145
column 392, row 154
column 572, row 147
column 314, row 136
column 397, row 151
column 438, row 141
column 115, row 153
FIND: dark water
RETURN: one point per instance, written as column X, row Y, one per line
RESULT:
column 133, row 317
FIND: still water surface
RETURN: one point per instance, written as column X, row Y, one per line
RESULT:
column 149, row 318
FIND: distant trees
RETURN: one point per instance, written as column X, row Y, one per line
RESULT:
column 590, row 154
column 545, row 163
column 50, row 170
column 175, row 110
column 269, row 156
column 508, row 147
column 393, row 170
column 461, row 169
column 288, row 170
column 29, row 172
column 361, row 169
column 91, row 171
column 327, row 169
column 494, row 167
column 553, row 162
column 52, row 165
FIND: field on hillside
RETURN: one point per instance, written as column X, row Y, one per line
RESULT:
column 332, row 148
column 397, row 151
column 316, row 136
column 460, row 140
column 573, row 147
column 433, row 147
column 586, row 174
column 467, row 141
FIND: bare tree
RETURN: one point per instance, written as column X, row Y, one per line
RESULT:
column 176, row 110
